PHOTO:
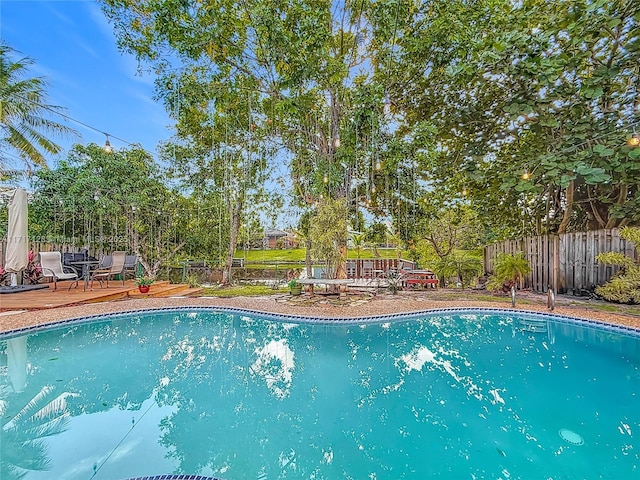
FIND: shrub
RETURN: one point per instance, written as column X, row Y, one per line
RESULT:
column 625, row 286
column 509, row 269
column 32, row 274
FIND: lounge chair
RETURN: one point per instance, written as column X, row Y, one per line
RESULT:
column 51, row 264
column 116, row 268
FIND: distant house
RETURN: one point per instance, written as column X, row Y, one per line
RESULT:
column 274, row 238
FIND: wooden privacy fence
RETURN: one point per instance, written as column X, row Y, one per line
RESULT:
column 566, row 262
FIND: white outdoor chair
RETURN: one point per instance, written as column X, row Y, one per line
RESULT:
column 116, row 268
column 51, row 263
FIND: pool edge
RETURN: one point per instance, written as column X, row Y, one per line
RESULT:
column 308, row 319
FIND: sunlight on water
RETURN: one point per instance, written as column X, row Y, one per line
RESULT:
column 237, row 397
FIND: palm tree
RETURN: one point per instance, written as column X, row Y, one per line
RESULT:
column 459, row 264
column 358, row 241
column 26, row 120
column 509, row 270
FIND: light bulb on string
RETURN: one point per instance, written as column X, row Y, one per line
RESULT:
column 325, row 179
column 373, row 189
column 387, row 103
column 378, row 165
column 634, row 140
column 526, row 175
column 107, row 145
column 465, row 192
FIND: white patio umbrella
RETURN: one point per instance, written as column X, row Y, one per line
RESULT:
column 17, row 362
column 16, row 257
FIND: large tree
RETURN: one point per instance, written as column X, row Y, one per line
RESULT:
column 295, row 73
column 27, row 120
column 532, row 102
column 112, row 201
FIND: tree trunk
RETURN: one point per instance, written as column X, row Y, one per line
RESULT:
column 307, row 256
column 234, row 209
column 622, row 196
column 562, row 228
column 341, row 270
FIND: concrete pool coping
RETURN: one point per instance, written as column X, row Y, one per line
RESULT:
column 380, row 305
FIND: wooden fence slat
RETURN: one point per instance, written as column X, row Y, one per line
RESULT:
column 565, row 261
column 590, row 247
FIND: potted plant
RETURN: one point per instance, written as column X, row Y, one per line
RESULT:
column 144, row 283
column 294, row 287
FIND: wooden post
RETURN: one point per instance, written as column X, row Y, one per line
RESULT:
column 555, row 277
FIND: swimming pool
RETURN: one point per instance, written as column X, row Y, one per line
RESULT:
column 228, row 394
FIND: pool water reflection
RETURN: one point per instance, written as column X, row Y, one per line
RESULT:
column 235, row 396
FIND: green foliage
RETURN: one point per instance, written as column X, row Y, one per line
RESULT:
column 494, row 284
column 624, row 287
column 357, row 240
column 241, row 291
column 508, row 270
column 115, row 201
column 615, row 258
column 460, row 264
column 144, row 281
column 448, row 228
column 26, row 118
column 192, row 280
column 548, row 92
column 553, row 100
column 329, row 233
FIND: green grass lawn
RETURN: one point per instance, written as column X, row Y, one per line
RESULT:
column 297, row 255
column 242, row 291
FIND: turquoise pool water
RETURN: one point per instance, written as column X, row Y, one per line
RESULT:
column 455, row 396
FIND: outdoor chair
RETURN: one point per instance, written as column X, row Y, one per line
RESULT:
column 367, row 269
column 51, row 264
column 351, row 269
column 130, row 265
column 116, row 267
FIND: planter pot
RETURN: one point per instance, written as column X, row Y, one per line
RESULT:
column 295, row 291
column 143, row 288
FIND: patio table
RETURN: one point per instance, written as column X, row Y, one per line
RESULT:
column 342, row 284
column 419, row 278
column 86, row 269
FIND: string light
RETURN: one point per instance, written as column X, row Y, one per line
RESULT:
column 634, row 140
column 107, row 145
column 387, row 104
column 526, row 175
column 325, row 179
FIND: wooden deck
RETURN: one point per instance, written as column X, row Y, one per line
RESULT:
column 48, row 298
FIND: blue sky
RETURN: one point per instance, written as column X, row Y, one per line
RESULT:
column 74, row 48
